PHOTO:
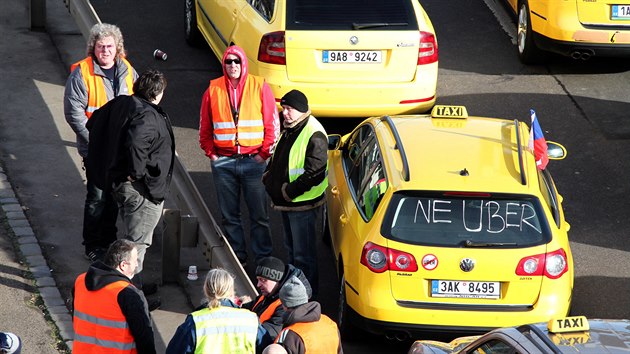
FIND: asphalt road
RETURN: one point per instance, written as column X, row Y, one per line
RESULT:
column 583, row 105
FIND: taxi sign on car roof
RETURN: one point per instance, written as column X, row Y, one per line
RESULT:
column 453, row 112
column 568, row 324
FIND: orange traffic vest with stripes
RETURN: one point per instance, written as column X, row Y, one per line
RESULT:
column 97, row 97
column 317, row 336
column 269, row 311
column 99, row 324
column 249, row 129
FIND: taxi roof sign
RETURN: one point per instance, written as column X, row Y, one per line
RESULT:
column 568, row 324
column 451, row 112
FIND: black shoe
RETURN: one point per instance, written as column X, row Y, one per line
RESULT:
column 94, row 255
column 149, row 288
column 154, row 303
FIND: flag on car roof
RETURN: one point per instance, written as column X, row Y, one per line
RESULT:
column 537, row 142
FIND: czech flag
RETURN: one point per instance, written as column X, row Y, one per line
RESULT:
column 537, row 143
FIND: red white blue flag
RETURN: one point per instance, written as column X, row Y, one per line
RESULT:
column 537, row 142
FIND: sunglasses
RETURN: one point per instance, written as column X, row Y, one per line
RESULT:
column 232, row 61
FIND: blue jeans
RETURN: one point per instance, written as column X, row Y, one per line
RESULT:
column 99, row 218
column 140, row 216
column 231, row 177
column 300, row 239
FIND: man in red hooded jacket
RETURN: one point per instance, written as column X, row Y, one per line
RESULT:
column 238, row 128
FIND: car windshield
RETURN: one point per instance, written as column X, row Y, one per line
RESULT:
column 380, row 15
column 459, row 220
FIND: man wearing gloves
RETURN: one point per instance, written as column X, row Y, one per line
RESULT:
column 306, row 329
column 296, row 180
column 271, row 275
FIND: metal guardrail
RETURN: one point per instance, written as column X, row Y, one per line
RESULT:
column 184, row 194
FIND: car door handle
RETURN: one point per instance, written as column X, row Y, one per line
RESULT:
column 343, row 219
column 334, row 191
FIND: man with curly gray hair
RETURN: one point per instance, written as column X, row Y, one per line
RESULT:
column 93, row 81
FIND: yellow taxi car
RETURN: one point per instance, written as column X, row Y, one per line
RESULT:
column 567, row 335
column 444, row 222
column 351, row 58
column 576, row 28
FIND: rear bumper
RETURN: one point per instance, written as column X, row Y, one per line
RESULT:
column 381, row 314
column 361, row 99
column 576, row 49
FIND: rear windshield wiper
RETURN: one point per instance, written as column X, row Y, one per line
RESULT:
column 470, row 243
column 360, row 26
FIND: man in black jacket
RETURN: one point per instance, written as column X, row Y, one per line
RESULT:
column 296, row 180
column 109, row 312
column 133, row 150
column 271, row 274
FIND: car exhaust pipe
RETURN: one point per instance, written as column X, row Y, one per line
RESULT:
column 399, row 336
column 582, row 54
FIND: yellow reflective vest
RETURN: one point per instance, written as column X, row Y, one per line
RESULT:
column 297, row 156
column 225, row 330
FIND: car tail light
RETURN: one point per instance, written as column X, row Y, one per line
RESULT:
column 272, row 48
column 379, row 259
column 428, row 52
column 552, row 265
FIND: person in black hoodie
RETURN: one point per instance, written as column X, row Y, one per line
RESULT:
column 296, row 180
column 132, row 153
column 109, row 312
column 271, row 274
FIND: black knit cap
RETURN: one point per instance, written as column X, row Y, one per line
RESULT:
column 295, row 99
column 270, row 268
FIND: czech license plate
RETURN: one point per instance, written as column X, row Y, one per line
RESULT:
column 620, row 12
column 351, row 56
column 465, row 289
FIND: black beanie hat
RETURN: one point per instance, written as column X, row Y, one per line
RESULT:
column 295, row 99
column 270, row 268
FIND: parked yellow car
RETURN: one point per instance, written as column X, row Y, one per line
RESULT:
column 444, row 222
column 579, row 29
column 568, row 335
column 351, row 58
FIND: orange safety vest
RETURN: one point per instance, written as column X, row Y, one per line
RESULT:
column 97, row 97
column 318, row 337
column 249, row 130
column 99, row 324
column 269, row 311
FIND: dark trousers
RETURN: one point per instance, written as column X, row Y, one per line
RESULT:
column 99, row 218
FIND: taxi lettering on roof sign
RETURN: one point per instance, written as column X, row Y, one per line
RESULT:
column 456, row 112
column 568, row 324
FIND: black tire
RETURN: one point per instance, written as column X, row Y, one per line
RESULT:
column 346, row 329
column 193, row 36
column 528, row 52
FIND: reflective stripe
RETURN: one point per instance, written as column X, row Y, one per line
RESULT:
column 296, row 171
column 223, row 125
column 282, row 336
column 255, row 135
column 104, row 343
column 91, row 109
column 100, row 321
column 250, row 123
column 226, row 137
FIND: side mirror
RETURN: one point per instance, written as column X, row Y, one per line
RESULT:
column 555, row 151
column 334, row 141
